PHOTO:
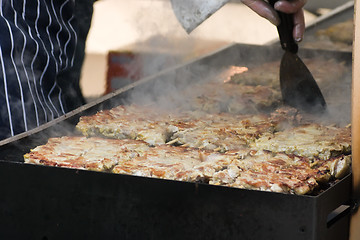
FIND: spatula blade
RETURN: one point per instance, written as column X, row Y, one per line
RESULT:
column 298, row 87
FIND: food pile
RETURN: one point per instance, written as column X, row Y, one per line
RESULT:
column 234, row 133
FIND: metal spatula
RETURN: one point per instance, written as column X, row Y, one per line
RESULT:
column 298, row 87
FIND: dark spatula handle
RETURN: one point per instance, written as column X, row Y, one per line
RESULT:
column 285, row 30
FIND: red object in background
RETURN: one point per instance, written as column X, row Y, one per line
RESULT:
column 123, row 67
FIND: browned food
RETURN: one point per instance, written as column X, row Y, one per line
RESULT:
column 234, row 134
column 127, row 122
column 309, row 140
column 96, row 154
column 249, row 169
column 223, row 132
column 279, row 172
column 282, row 131
column 219, row 132
column 265, row 74
column 166, row 162
column 325, row 71
column 338, row 37
column 219, row 97
column 341, row 32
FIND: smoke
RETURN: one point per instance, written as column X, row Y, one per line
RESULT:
column 338, row 97
column 175, row 88
column 162, row 44
column 167, row 70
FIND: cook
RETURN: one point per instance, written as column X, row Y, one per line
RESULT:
column 41, row 54
column 294, row 7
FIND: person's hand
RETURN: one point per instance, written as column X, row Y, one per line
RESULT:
column 294, row 7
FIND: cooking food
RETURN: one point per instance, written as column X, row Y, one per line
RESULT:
column 167, row 162
column 249, row 169
column 340, row 32
column 227, row 132
column 309, row 140
column 127, row 123
column 220, row 132
column 338, row 36
column 279, row 172
column 279, row 152
column 325, row 71
column 96, row 154
column 233, row 133
column 216, row 97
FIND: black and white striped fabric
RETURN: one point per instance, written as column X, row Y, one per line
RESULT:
column 37, row 42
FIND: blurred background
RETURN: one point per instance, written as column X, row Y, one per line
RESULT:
column 123, row 29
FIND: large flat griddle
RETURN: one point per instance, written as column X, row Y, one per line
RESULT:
column 39, row 202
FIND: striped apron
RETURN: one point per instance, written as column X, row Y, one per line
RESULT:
column 38, row 40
